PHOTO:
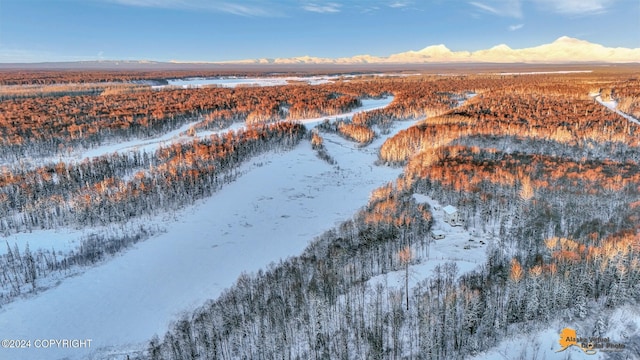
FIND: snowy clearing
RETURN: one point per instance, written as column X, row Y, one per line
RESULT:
column 272, row 211
column 455, row 247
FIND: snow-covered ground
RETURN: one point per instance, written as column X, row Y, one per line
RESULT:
column 623, row 327
column 62, row 240
column 272, row 211
column 466, row 248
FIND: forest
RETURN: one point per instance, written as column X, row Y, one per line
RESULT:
column 536, row 165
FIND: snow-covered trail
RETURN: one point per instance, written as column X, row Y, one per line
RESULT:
column 613, row 106
column 145, row 145
column 367, row 105
column 177, row 135
column 270, row 212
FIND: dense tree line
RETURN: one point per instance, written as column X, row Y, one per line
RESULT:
column 472, row 166
column 47, row 77
column 22, row 91
column 115, row 188
column 52, row 124
column 46, row 124
column 317, row 144
column 580, row 122
column 361, row 134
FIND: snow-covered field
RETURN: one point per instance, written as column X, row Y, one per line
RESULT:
column 63, row 240
column 272, row 211
column 455, row 247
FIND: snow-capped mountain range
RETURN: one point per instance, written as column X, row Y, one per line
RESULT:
column 563, row 50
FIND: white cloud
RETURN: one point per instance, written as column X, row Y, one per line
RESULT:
column 323, row 9
column 246, row 8
column 516, row 27
column 399, row 4
column 507, row 8
column 485, row 7
column 577, row 7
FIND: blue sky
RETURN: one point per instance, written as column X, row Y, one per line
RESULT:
column 212, row 30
